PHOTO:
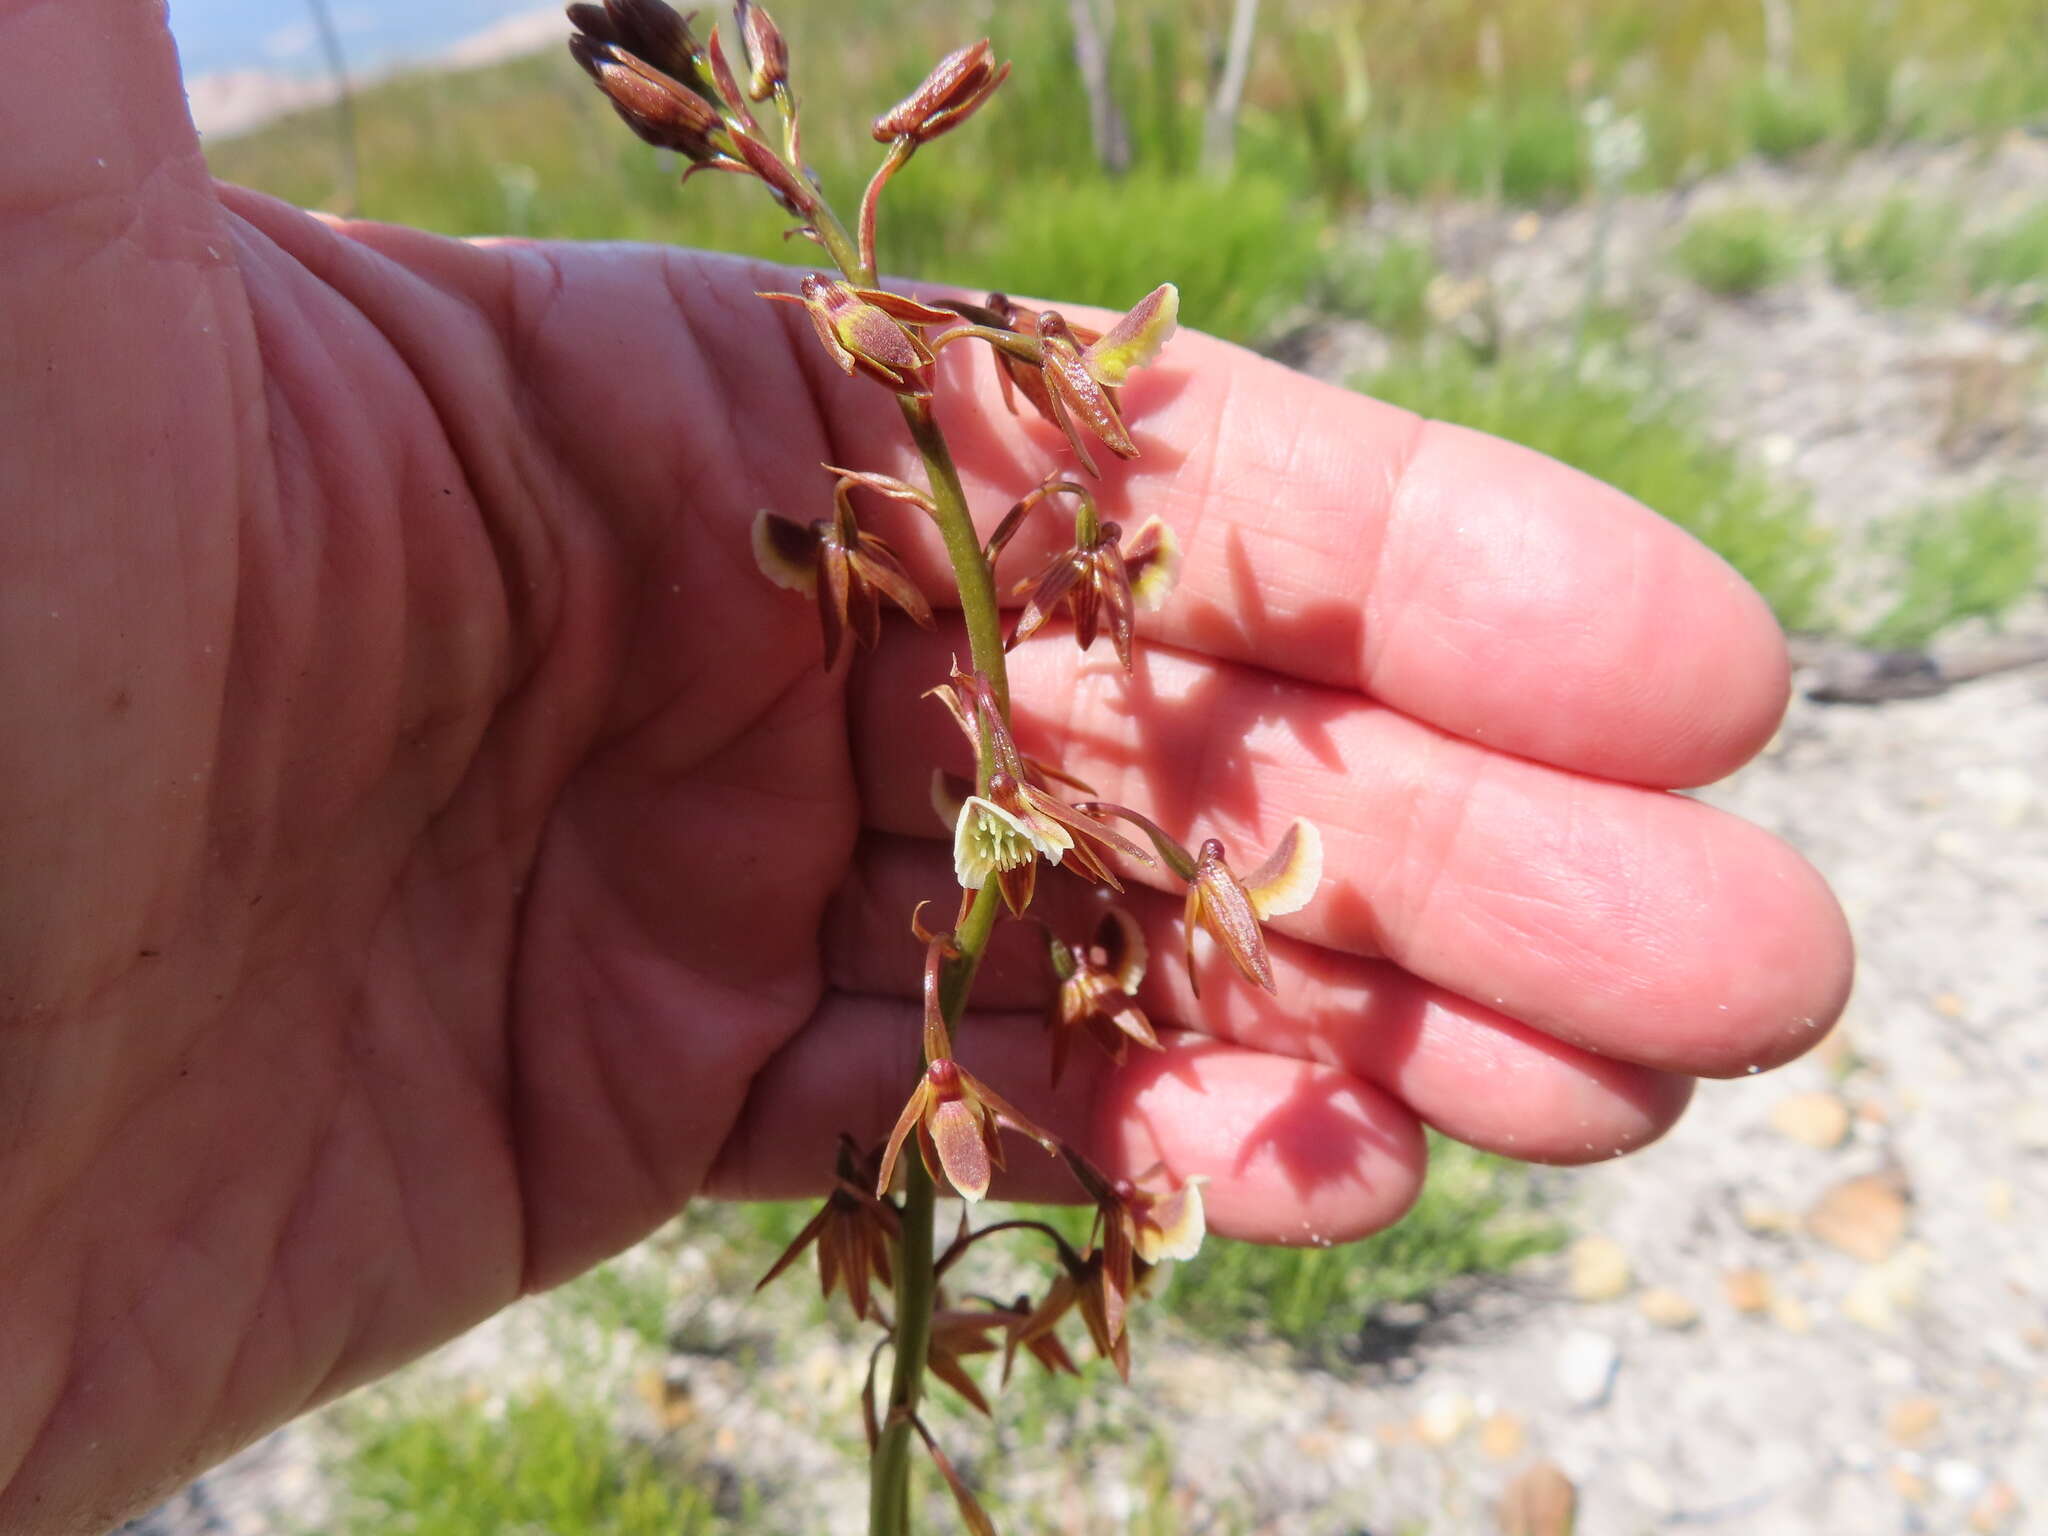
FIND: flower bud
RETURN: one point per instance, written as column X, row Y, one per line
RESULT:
column 958, row 85
column 661, row 110
column 767, row 53
column 648, row 30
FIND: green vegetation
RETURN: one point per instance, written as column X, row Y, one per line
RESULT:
column 630, row 1294
column 1648, row 443
column 1386, row 285
column 1344, row 103
column 1477, row 1215
column 2013, row 257
column 1894, row 252
column 1240, row 251
column 1738, row 250
column 1974, row 559
column 542, row 1464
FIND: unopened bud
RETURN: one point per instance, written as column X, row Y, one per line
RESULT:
column 767, row 53
column 648, row 30
column 958, row 85
column 661, row 110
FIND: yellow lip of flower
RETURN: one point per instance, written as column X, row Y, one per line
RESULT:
column 987, row 840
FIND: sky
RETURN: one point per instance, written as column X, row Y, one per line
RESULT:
column 218, row 35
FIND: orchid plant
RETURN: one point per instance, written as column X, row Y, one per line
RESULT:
column 875, row 1231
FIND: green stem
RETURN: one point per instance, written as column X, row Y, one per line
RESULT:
column 972, row 573
column 916, row 1281
column 916, row 1284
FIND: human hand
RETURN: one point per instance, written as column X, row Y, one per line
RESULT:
column 433, row 854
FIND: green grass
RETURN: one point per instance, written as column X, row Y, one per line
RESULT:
column 1385, row 284
column 1973, row 559
column 2015, row 256
column 1895, row 252
column 1477, row 1215
column 1783, row 124
column 541, row 1465
column 1344, row 103
column 1738, row 250
column 1242, row 251
column 630, row 1295
column 1646, row 441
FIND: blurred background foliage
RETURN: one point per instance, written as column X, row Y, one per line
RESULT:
column 1253, row 200
column 1344, row 103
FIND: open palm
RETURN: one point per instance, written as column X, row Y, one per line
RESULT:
column 430, row 854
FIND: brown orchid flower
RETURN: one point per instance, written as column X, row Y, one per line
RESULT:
column 957, row 1332
column 864, row 331
column 1137, row 1232
column 855, row 1231
column 1097, row 986
column 1085, row 1284
column 846, row 569
column 953, row 92
column 1020, row 820
column 1230, row 908
column 957, row 1117
column 1096, row 578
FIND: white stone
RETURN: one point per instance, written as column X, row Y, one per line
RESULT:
column 1586, row 1365
column 1958, row 1479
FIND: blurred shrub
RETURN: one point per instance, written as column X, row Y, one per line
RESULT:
column 1646, row 442
column 2013, row 257
column 1739, row 250
column 1477, row 1215
column 1782, row 123
column 1385, row 284
column 1894, row 252
column 1241, row 251
column 1973, row 559
column 540, row 1463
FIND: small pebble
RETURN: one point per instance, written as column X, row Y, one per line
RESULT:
column 1747, row 1290
column 1864, row 1217
column 1586, row 1367
column 1599, row 1269
column 1911, row 1419
column 1445, row 1415
column 1540, row 1502
column 1994, row 1512
column 1667, row 1308
column 1958, row 1479
column 1814, row 1119
column 1502, row 1437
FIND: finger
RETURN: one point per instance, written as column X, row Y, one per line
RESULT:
column 1466, row 1069
column 130, row 389
column 1293, row 1151
column 1486, row 589
column 1636, row 924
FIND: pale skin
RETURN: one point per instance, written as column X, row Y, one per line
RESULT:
column 430, row 854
